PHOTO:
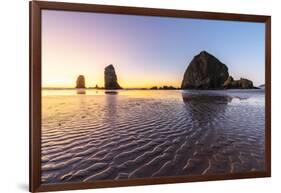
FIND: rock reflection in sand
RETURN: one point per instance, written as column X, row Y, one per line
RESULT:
column 80, row 91
column 151, row 133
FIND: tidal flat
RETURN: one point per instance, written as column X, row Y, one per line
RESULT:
column 90, row 135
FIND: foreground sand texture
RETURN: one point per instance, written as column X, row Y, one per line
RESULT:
column 136, row 134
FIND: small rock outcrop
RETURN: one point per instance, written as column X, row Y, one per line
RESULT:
column 80, row 82
column 243, row 83
column 205, row 72
column 167, row 88
column 110, row 78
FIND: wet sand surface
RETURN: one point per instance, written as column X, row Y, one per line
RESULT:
column 136, row 134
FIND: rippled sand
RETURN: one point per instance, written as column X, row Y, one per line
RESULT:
column 135, row 134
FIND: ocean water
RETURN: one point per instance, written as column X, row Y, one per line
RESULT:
column 88, row 135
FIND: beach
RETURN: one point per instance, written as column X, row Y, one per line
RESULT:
column 90, row 136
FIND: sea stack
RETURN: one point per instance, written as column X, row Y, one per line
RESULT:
column 80, row 82
column 205, row 72
column 110, row 78
column 243, row 83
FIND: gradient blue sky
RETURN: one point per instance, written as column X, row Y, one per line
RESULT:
column 145, row 50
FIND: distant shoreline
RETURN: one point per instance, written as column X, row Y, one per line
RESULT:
column 49, row 88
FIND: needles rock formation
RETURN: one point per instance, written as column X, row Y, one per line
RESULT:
column 80, row 82
column 110, row 78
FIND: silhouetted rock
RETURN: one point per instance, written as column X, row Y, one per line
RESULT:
column 110, row 78
column 205, row 72
column 167, row 88
column 154, row 88
column 243, row 83
column 80, row 82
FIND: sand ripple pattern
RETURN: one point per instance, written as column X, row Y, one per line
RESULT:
column 89, row 138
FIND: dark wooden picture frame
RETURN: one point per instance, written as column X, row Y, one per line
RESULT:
column 35, row 92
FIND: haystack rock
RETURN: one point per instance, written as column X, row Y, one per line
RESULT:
column 110, row 78
column 243, row 83
column 205, row 72
column 80, row 82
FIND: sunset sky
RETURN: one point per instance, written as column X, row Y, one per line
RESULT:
column 145, row 51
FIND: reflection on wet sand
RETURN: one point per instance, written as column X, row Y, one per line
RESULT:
column 203, row 109
column 199, row 99
column 150, row 133
column 81, row 91
column 112, row 92
column 223, row 134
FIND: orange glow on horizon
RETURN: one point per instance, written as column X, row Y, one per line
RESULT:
column 90, row 83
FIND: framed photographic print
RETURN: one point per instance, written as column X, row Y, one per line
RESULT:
column 123, row 96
